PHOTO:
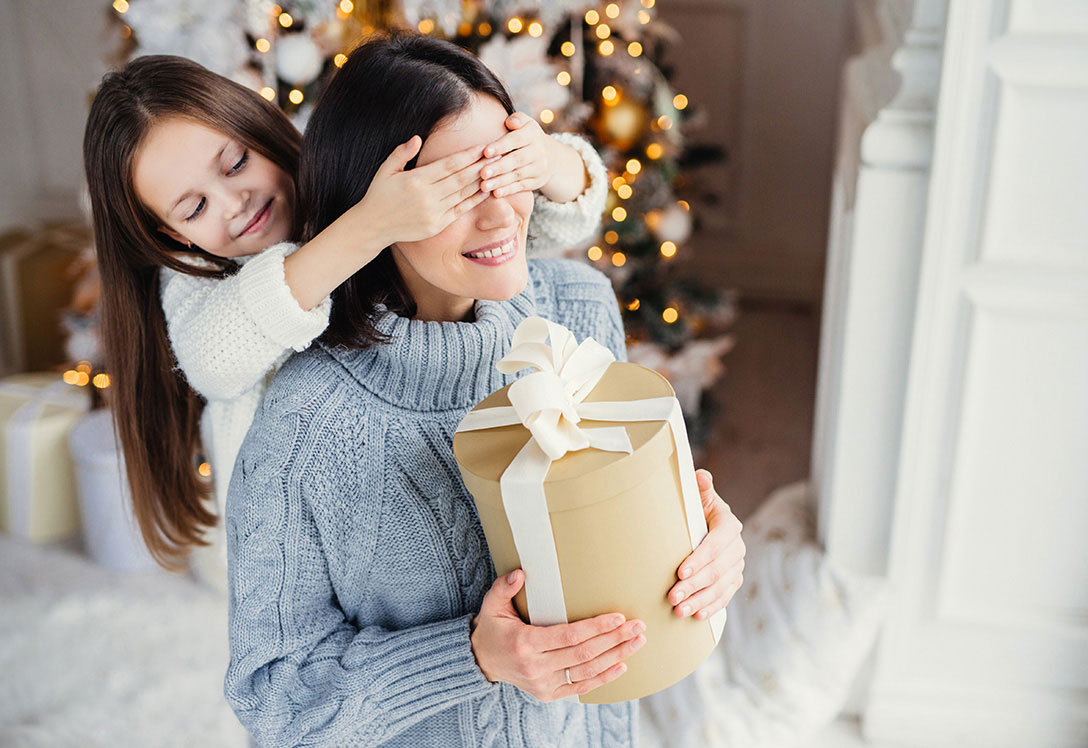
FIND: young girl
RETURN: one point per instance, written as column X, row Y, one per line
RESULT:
column 192, row 183
column 362, row 605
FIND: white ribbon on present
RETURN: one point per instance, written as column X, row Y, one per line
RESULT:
column 550, row 403
column 20, row 443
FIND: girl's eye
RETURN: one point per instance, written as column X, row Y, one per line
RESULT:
column 196, row 211
column 241, row 162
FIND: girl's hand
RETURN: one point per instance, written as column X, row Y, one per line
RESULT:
column 711, row 575
column 528, row 159
column 417, row 204
column 536, row 658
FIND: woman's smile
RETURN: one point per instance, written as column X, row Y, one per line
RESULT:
column 495, row 253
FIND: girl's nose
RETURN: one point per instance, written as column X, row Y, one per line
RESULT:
column 495, row 213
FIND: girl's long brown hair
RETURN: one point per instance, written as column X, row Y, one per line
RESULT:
column 156, row 413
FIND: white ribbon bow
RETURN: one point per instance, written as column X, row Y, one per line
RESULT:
column 549, row 402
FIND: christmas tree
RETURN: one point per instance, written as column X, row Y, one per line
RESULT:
column 593, row 69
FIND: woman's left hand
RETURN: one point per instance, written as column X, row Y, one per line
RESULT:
column 712, row 574
column 526, row 158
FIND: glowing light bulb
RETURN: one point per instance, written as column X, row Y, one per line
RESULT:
column 82, row 378
column 684, row 204
column 668, row 249
column 647, row 3
column 612, row 10
column 634, row 305
column 643, row 17
column 286, row 20
column 619, row 214
column 634, row 166
column 670, row 315
column 655, row 150
column 604, row 31
column 71, row 376
column 680, row 101
column 592, row 17
column 101, row 381
column 295, row 96
column 121, row 6
column 606, row 48
column 346, row 6
column 625, row 191
column 619, row 259
column 536, row 29
column 609, row 93
column 84, row 367
column 515, row 25
column 664, row 122
column 634, row 49
column 269, row 93
column 611, row 236
column 618, row 182
column 595, row 253
column 547, row 116
column 567, row 49
column 484, row 29
column 426, row 26
column 263, row 45
column 563, row 78
column 339, row 60
column 205, row 469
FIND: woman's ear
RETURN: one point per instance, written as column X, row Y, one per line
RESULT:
column 174, row 235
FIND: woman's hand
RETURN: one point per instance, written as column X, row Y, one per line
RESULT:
column 536, row 659
column 712, row 574
column 412, row 205
column 528, row 159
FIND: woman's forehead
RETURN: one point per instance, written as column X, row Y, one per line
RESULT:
column 482, row 122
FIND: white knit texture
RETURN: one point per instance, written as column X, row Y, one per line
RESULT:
column 559, row 226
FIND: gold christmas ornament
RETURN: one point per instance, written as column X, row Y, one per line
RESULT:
column 622, row 123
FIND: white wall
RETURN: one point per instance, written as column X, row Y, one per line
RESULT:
column 766, row 74
column 51, row 60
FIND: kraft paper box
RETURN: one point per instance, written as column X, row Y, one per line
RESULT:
column 38, row 498
column 618, row 520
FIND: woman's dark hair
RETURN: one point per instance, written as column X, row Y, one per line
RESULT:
column 156, row 413
column 390, row 88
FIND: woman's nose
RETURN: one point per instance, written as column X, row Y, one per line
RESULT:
column 234, row 201
column 495, row 213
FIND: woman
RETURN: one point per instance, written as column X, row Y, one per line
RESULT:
column 363, row 608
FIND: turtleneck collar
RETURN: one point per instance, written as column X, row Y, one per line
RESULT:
column 438, row 366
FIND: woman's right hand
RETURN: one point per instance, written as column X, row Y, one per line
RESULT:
column 536, row 658
column 412, row 205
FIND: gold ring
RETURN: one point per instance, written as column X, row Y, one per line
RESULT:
column 567, row 673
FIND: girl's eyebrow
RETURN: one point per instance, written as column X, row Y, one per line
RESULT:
column 215, row 165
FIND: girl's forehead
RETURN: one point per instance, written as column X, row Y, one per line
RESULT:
column 480, row 123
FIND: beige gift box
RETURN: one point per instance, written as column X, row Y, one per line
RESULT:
column 38, row 498
column 619, row 526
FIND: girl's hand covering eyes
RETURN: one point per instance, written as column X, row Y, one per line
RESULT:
column 528, row 159
column 417, row 204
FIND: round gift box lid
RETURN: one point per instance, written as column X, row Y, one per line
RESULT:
column 577, row 478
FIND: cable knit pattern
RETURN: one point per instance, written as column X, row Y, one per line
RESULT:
column 559, row 226
column 356, row 556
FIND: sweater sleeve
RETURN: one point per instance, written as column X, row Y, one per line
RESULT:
column 227, row 334
column 300, row 671
column 558, row 226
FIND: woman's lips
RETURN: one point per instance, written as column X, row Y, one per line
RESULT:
column 259, row 221
column 495, row 254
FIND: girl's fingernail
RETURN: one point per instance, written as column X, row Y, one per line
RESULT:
column 637, row 642
column 685, row 573
column 511, row 577
column 638, row 628
column 615, row 621
column 685, row 610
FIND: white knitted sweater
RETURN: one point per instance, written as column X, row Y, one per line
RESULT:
column 229, row 336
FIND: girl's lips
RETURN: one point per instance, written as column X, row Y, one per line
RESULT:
column 259, row 221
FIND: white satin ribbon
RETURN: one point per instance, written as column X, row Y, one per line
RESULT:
column 549, row 402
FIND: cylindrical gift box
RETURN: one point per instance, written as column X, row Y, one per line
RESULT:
column 110, row 533
column 619, row 526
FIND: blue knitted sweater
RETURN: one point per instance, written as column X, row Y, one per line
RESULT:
column 356, row 559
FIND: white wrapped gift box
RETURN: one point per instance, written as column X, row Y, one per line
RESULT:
column 38, row 499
